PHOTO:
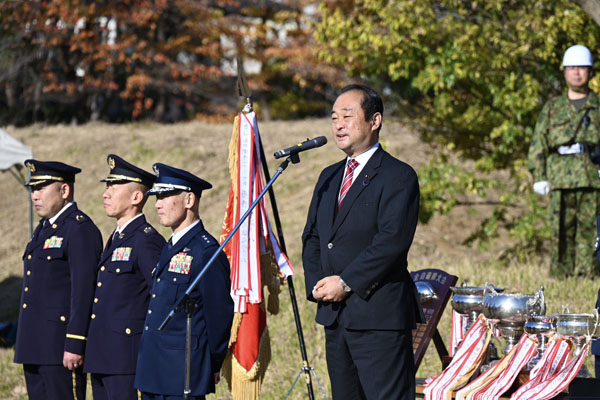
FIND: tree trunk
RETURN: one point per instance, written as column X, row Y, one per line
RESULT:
column 591, row 7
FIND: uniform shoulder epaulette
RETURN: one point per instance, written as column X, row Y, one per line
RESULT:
column 148, row 229
column 207, row 239
column 80, row 218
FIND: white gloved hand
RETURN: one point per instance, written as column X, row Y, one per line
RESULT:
column 541, row 187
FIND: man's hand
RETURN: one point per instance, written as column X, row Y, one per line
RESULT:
column 72, row 360
column 329, row 289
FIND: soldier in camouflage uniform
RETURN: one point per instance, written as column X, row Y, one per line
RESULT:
column 564, row 142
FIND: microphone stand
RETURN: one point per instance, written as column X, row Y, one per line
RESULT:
column 306, row 369
column 187, row 304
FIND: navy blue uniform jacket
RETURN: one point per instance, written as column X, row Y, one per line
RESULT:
column 160, row 367
column 366, row 244
column 58, row 288
column 122, row 294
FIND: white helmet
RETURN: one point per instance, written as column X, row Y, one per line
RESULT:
column 578, row 56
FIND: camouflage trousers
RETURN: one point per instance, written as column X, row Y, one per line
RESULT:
column 573, row 220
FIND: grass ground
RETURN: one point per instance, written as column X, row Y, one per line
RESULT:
column 202, row 149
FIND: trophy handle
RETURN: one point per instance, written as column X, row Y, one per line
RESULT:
column 540, row 292
column 488, row 288
column 537, row 300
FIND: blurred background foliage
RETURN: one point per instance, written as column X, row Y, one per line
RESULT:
column 165, row 60
column 470, row 76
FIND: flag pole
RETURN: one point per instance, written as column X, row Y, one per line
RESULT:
column 306, row 366
column 244, row 90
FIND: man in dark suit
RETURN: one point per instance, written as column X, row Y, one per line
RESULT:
column 161, row 362
column 124, row 282
column 58, row 286
column 596, row 344
column 360, row 226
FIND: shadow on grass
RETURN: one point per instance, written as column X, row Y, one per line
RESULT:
column 10, row 297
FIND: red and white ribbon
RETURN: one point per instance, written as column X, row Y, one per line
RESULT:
column 549, row 388
column 255, row 235
column 465, row 362
column 459, row 323
column 499, row 378
column 525, row 349
column 553, row 359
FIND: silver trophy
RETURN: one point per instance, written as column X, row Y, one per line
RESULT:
column 578, row 328
column 541, row 326
column 509, row 311
column 469, row 300
column 426, row 292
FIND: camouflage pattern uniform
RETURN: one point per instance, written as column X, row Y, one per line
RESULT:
column 574, row 182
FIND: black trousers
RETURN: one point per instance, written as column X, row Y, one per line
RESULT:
column 370, row 364
column 54, row 382
column 113, row 387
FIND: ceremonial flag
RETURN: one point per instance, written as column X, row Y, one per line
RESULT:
column 256, row 260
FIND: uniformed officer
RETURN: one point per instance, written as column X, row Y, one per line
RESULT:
column 124, row 282
column 161, row 363
column 562, row 156
column 58, row 286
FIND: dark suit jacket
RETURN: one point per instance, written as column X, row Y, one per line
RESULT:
column 58, row 288
column 121, row 302
column 366, row 243
column 596, row 342
column 161, row 361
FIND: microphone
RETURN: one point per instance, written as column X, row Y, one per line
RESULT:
column 306, row 145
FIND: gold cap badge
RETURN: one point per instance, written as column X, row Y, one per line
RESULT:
column 111, row 162
column 30, row 166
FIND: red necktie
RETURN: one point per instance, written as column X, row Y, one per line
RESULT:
column 347, row 182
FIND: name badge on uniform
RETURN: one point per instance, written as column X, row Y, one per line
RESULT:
column 53, row 242
column 121, row 254
column 180, row 263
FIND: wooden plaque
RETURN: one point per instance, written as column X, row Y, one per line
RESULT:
column 433, row 310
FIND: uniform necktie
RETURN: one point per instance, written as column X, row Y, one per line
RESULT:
column 44, row 224
column 347, row 182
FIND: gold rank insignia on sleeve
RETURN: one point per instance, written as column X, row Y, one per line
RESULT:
column 147, row 229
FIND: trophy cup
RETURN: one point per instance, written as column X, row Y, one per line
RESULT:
column 509, row 311
column 469, row 300
column 426, row 292
column 577, row 328
column 541, row 326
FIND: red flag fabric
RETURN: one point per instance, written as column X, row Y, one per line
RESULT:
column 256, row 260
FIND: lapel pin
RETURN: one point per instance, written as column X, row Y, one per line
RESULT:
column 366, row 181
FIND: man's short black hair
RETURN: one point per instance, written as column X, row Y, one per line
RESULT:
column 371, row 102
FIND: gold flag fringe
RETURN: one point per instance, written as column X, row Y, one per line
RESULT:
column 245, row 385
